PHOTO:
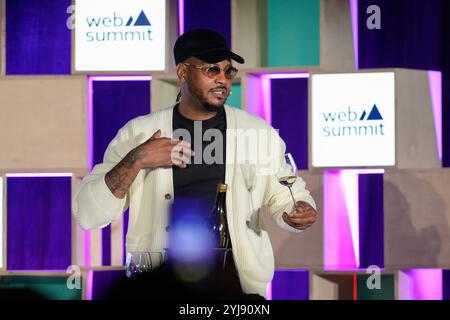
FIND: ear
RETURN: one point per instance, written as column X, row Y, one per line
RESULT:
column 181, row 73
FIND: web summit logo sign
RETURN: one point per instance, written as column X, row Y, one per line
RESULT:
column 115, row 28
column 353, row 123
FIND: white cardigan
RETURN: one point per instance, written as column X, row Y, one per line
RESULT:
column 94, row 205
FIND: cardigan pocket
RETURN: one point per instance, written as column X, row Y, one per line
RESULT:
column 258, row 254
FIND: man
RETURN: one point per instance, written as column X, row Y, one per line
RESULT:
column 145, row 168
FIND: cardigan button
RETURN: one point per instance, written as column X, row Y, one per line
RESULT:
column 168, row 196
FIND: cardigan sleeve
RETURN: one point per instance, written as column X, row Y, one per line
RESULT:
column 277, row 197
column 94, row 205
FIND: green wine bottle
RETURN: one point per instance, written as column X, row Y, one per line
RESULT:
column 218, row 219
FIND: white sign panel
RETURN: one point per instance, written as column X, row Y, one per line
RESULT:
column 353, row 119
column 118, row 35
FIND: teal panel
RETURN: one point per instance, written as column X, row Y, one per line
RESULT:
column 234, row 100
column 385, row 292
column 293, row 33
column 48, row 287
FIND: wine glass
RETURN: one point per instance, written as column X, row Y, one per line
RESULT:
column 287, row 175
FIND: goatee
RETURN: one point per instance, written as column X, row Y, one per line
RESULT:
column 203, row 102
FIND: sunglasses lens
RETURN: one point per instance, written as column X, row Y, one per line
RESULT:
column 231, row 72
column 212, row 71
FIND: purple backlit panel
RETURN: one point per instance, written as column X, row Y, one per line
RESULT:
column 445, row 284
column 39, row 223
column 290, row 285
column 37, row 38
column 104, row 281
column 114, row 103
column 209, row 14
column 371, row 220
column 289, row 101
column 411, row 34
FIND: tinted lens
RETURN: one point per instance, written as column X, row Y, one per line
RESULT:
column 231, row 72
column 212, row 71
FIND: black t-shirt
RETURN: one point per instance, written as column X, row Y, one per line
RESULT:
column 198, row 181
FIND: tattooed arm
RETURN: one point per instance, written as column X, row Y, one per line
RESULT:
column 153, row 153
column 120, row 178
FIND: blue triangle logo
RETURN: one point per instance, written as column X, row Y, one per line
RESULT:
column 142, row 20
column 375, row 114
column 362, row 116
column 129, row 21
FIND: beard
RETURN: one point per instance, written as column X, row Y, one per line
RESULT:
column 196, row 93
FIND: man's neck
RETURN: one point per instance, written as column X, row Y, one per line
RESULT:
column 193, row 111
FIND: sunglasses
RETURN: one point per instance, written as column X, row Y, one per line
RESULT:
column 212, row 71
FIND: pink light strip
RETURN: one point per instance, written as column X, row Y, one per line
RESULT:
column 350, row 188
column 180, row 17
column 90, row 124
column 255, row 96
column 269, row 291
column 365, row 171
column 420, row 284
column 90, row 158
column 286, row 75
column 354, row 16
column 39, row 175
column 435, row 83
column 120, row 78
column 89, row 284
column 267, row 98
column 339, row 251
column 87, row 248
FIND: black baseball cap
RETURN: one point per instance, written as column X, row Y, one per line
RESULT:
column 205, row 44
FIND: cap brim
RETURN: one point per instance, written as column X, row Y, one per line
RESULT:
column 217, row 55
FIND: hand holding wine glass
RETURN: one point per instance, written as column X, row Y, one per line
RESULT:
column 288, row 174
column 302, row 215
